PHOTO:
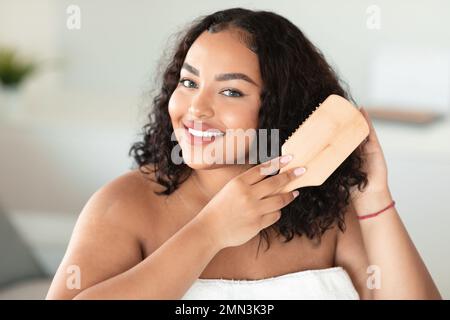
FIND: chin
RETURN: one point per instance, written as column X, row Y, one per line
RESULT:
column 201, row 164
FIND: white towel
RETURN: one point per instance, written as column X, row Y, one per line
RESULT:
column 326, row 284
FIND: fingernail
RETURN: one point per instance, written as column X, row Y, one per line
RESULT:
column 295, row 193
column 299, row 171
column 286, row 158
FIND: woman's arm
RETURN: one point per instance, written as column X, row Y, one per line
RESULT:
column 351, row 254
column 165, row 274
column 107, row 253
column 403, row 275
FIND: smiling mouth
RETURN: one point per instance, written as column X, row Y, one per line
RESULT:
column 201, row 137
column 204, row 134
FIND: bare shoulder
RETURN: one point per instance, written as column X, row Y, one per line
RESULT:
column 106, row 239
column 132, row 184
column 131, row 199
column 122, row 199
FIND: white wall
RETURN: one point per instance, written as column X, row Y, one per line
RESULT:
column 120, row 42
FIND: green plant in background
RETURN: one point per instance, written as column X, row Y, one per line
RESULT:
column 13, row 69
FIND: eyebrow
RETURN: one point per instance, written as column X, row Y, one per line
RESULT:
column 221, row 76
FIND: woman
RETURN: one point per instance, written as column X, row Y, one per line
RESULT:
column 193, row 229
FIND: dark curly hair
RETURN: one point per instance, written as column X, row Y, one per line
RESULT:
column 296, row 78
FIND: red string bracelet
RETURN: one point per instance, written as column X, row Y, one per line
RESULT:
column 371, row 215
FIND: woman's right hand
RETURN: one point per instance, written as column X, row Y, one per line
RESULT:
column 248, row 203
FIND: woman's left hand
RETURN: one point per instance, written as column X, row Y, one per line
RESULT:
column 374, row 165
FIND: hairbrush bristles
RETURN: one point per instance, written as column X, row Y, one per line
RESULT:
column 298, row 128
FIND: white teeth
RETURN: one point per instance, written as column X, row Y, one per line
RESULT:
column 207, row 134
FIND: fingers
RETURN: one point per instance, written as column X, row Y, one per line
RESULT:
column 277, row 202
column 269, row 219
column 259, row 172
column 274, row 184
column 372, row 133
column 366, row 115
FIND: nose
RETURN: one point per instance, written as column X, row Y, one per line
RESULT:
column 200, row 107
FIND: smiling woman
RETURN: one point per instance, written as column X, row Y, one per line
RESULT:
column 170, row 230
column 243, row 70
column 239, row 69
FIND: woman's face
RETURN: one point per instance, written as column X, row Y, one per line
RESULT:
column 219, row 91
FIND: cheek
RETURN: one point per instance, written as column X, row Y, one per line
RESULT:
column 243, row 116
column 178, row 105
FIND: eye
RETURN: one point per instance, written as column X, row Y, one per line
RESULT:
column 187, row 83
column 234, row 93
column 184, row 81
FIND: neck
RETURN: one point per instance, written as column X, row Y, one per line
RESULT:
column 211, row 181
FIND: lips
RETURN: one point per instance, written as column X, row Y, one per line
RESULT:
column 201, row 126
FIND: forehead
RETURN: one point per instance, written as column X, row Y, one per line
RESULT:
column 220, row 52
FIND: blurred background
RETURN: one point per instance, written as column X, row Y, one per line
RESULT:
column 76, row 81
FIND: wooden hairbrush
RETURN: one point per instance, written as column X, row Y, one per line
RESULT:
column 323, row 141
